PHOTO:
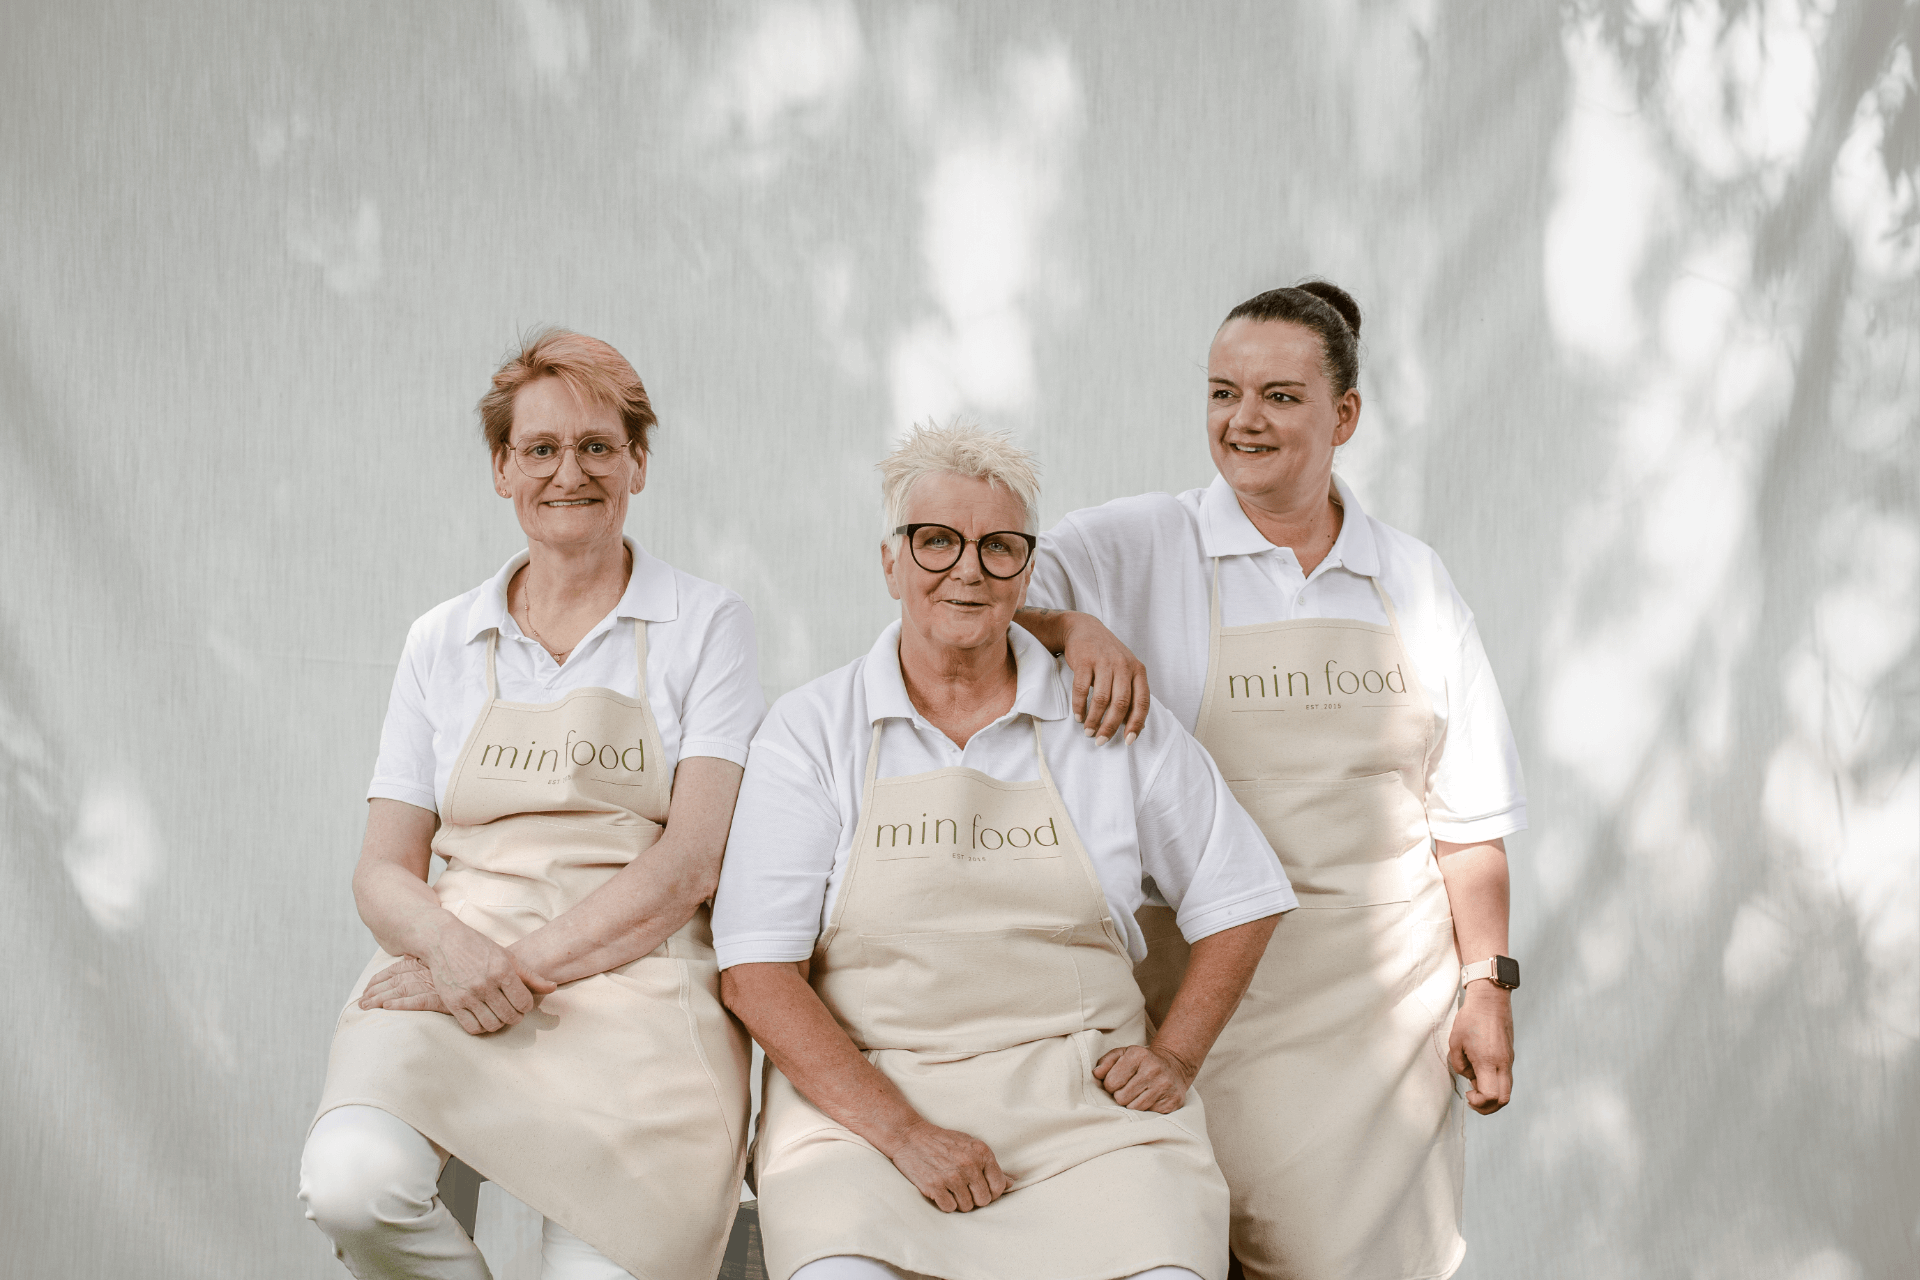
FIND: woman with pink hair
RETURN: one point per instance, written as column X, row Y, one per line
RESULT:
column 568, row 738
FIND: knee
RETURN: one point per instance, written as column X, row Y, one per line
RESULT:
column 359, row 1178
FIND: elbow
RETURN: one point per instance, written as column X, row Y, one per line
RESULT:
column 363, row 893
column 730, row 993
column 706, row 882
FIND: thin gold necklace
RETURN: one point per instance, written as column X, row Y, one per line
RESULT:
column 559, row 655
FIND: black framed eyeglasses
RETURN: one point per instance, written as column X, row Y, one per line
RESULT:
column 937, row 548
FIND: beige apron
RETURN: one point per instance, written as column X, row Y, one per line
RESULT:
column 618, row 1107
column 1332, row 1109
column 972, row 957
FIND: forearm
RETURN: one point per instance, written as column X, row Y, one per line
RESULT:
column 1048, row 626
column 647, row 900
column 1480, row 1046
column 786, row 1017
column 390, row 883
column 400, row 909
column 629, row 916
column 1477, row 891
column 1218, row 973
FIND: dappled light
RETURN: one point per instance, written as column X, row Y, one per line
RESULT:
column 1641, row 281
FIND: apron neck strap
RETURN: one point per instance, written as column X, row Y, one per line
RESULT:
column 1386, row 602
column 493, row 684
column 1213, row 598
column 873, row 763
column 1040, row 754
column 640, row 658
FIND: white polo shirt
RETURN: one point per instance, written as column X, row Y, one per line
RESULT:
column 703, row 679
column 1143, row 566
column 1156, row 815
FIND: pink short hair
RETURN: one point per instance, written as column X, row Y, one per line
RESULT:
column 591, row 369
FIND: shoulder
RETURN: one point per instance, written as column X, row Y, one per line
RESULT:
column 698, row 600
column 443, row 629
column 1161, row 736
column 810, row 721
column 1418, row 581
column 1142, row 516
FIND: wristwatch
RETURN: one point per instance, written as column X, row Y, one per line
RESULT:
column 1502, row 971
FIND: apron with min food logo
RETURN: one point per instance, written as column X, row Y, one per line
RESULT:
column 972, row 958
column 618, row 1107
column 1332, row 1109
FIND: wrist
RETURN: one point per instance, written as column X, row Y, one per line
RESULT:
column 528, row 957
column 1500, row 970
column 895, row 1130
column 1486, row 991
column 430, row 933
column 1186, row 1064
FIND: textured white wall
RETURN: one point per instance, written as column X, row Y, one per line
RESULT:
column 1643, row 361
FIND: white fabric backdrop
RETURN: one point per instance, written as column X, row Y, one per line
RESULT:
column 1641, row 335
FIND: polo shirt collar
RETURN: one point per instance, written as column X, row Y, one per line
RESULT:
column 651, row 594
column 1226, row 531
column 1036, row 692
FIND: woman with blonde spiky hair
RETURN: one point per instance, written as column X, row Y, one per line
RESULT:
column 926, row 917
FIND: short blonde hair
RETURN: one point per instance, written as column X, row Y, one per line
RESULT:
column 592, row 370
column 964, row 449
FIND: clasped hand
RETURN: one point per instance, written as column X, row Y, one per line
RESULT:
column 1143, row 1078
column 1480, row 1047
column 470, row 977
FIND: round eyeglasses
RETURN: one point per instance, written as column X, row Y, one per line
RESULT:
column 936, row 548
column 540, row 458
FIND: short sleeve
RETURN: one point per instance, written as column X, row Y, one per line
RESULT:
column 404, row 769
column 724, row 703
column 1476, row 792
column 780, row 852
column 1202, row 850
column 1062, row 572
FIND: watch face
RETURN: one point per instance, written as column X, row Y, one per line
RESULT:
column 1506, row 971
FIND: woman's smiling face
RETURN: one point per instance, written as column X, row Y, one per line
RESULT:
column 1272, row 417
column 961, row 608
column 568, row 508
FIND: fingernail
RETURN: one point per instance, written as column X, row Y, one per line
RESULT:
column 1089, row 733
column 1100, row 742
column 1131, row 737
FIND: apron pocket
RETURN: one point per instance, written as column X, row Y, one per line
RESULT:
column 972, row 991
column 1340, row 839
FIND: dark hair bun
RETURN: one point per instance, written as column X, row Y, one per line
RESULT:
column 1326, row 309
column 1337, row 298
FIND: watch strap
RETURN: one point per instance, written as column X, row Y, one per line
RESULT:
column 1502, row 971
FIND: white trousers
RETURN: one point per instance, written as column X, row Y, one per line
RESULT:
column 369, row 1181
column 848, row 1266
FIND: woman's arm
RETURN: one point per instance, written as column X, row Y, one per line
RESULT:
column 630, row 915
column 474, row 979
column 1109, row 683
column 647, row 900
column 1155, row 1077
column 1481, row 1046
column 954, row 1170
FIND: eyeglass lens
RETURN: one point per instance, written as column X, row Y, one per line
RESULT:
column 597, row 456
column 937, row 549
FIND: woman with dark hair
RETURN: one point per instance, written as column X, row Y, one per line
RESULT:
column 568, row 737
column 1326, row 661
